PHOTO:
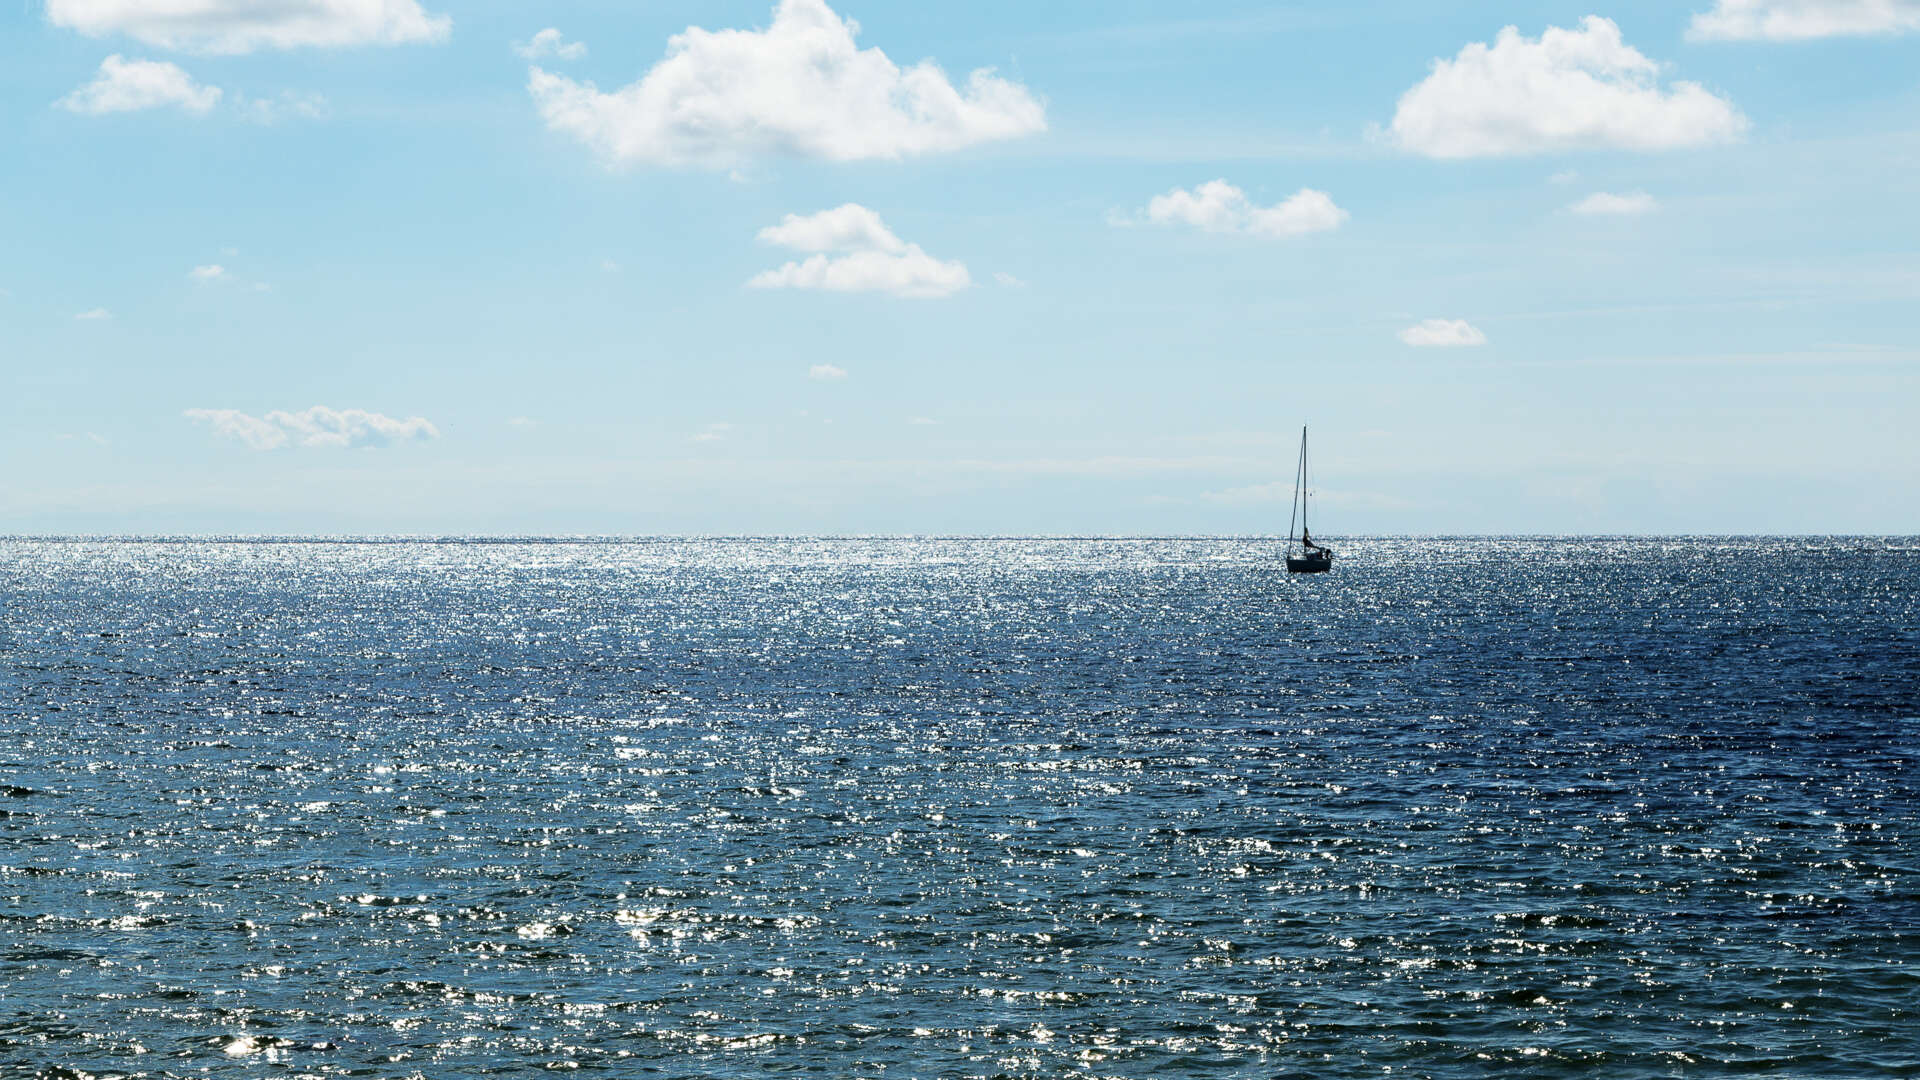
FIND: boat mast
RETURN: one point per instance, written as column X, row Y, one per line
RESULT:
column 1305, row 492
column 1296, row 512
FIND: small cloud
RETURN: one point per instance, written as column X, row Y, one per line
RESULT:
column 609, row 266
column 1564, row 176
column 521, row 422
column 1008, row 280
column 84, row 436
column 550, row 42
column 288, row 104
column 318, row 426
column 826, row 373
column 218, row 273
column 712, row 433
column 1801, row 20
column 94, row 315
column 124, row 85
column 241, row 26
column 923, row 421
column 1442, row 333
column 234, row 424
column 851, row 227
column 867, row 257
column 1217, row 206
column 1602, row 202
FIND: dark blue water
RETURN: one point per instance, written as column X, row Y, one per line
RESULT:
column 932, row 808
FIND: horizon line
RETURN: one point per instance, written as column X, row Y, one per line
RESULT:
column 628, row 538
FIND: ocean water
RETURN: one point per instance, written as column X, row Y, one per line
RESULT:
column 960, row 808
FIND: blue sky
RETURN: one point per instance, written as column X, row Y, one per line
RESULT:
column 1639, row 267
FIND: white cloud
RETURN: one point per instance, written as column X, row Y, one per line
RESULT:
column 551, row 42
column 1799, row 20
column 234, row 424
column 799, row 87
column 923, row 421
column 318, row 426
column 522, row 422
column 1564, row 176
column 713, row 432
column 915, row 275
column 219, row 274
column 1566, row 90
column 1008, row 280
column 241, row 26
column 124, row 85
column 1605, row 202
column 844, row 228
column 1217, row 206
column 856, row 252
column 94, row 315
column 826, row 372
column 288, row 103
column 1442, row 332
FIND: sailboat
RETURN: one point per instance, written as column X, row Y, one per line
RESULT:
column 1312, row 558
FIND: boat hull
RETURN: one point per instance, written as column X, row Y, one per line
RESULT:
column 1311, row 564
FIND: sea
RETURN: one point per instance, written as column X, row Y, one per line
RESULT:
column 929, row 808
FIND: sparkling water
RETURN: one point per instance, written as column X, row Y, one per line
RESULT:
column 960, row 808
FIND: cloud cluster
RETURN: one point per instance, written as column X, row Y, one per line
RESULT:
column 826, row 373
column 1217, row 206
column 242, row 26
column 800, row 87
column 854, row 251
column 551, row 42
column 1607, row 203
column 1442, row 333
column 124, row 85
column 1565, row 90
column 315, row 427
column 1799, row 20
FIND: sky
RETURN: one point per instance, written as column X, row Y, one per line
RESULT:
column 878, row 267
